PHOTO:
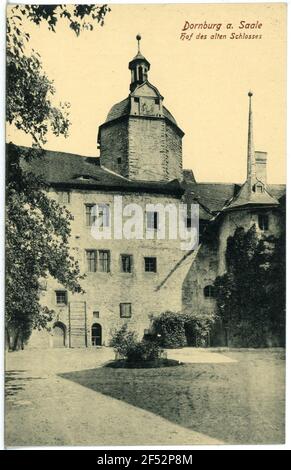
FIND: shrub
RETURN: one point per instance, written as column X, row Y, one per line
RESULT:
column 123, row 340
column 143, row 351
column 176, row 330
column 171, row 330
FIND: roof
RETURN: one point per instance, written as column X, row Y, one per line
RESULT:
column 138, row 57
column 123, row 109
column 248, row 197
column 67, row 170
column 215, row 196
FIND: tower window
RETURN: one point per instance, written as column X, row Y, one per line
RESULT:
column 157, row 101
column 136, row 100
column 150, row 264
column 263, row 220
column 140, row 74
column 125, row 310
column 119, row 160
column 209, row 292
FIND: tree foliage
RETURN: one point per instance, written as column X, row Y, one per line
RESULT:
column 37, row 228
column 250, row 295
column 176, row 329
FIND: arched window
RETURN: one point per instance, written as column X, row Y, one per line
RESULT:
column 140, row 74
column 96, row 334
column 209, row 292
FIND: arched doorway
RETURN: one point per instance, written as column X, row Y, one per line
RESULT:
column 96, row 334
column 59, row 335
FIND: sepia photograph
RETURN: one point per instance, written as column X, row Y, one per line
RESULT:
column 145, row 226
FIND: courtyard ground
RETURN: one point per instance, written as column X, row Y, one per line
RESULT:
column 70, row 397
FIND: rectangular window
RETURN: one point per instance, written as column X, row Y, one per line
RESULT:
column 150, row 265
column 126, row 263
column 64, row 197
column 104, row 261
column 91, row 261
column 263, row 220
column 103, row 211
column 152, row 220
column 119, row 160
column 90, row 214
column 136, row 99
column 125, row 310
column 61, row 297
column 95, row 314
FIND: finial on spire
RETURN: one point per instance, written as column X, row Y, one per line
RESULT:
column 138, row 38
column 250, row 93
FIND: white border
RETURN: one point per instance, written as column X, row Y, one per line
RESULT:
column 2, row 192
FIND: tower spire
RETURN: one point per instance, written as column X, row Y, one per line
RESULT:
column 251, row 168
column 139, row 67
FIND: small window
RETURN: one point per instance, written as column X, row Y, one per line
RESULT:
column 126, row 263
column 157, row 101
column 150, row 265
column 103, row 212
column 209, row 292
column 258, row 188
column 136, row 100
column 263, row 220
column 95, row 314
column 61, row 297
column 90, row 214
column 119, row 160
column 152, row 220
column 64, row 197
column 125, row 310
column 104, row 261
column 91, row 261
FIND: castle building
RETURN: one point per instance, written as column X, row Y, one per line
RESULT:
column 131, row 279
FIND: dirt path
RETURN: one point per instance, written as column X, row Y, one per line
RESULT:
column 43, row 408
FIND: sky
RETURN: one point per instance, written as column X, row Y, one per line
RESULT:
column 204, row 82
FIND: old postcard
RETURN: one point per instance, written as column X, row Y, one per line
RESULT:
column 145, row 226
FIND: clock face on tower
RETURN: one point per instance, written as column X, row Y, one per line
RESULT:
column 148, row 107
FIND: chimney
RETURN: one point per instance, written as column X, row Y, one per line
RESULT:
column 261, row 166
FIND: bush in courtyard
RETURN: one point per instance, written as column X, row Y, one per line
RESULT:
column 197, row 327
column 123, row 340
column 176, row 330
column 143, row 351
column 169, row 327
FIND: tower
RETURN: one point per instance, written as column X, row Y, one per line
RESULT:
column 140, row 138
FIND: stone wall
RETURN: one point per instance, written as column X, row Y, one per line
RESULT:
column 114, row 147
column 149, row 293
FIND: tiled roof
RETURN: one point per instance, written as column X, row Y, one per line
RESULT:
column 215, row 196
column 68, row 170
column 123, row 108
column 62, row 169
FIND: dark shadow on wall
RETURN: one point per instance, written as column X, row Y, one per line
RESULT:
column 240, row 402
